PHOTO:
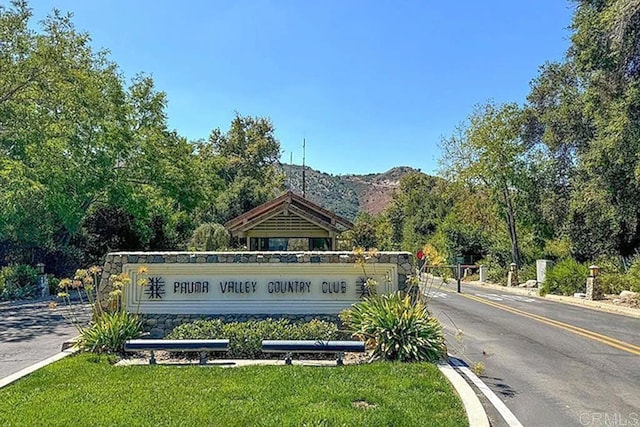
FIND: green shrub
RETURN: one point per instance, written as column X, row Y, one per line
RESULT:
column 614, row 283
column 198, row 330
column 557, row 249
column 209, row 237
column 397, row 328
column 245, row 338
column 527, row 272
column 496, row 273
column 19, row 281
column 109, row 331
column 612, row 264
column 634, row 275
column 565, row 278
column 54, row 282
column 616, row 274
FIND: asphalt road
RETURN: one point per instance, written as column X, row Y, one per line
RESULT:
column 552, row 364
column 31, row 332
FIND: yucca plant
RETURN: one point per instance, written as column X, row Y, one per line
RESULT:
column 396, row 328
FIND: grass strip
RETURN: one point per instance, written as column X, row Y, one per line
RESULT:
column 86, row 390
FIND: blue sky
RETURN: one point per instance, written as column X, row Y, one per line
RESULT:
column 370, row 84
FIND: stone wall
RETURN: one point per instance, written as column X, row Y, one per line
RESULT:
column 160, row 324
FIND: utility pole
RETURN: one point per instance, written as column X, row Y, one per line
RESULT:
column 304, row 181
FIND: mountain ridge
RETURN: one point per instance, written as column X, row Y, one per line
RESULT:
column 346, row 195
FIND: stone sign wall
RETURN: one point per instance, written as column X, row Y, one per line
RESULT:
column 182, row 286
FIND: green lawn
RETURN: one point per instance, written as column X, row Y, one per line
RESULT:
column 84, row 391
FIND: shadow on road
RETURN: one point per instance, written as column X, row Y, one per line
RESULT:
column 497, row 385
column 27, row 320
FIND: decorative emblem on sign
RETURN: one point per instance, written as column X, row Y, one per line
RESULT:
column 363, row 288
column 155, row 288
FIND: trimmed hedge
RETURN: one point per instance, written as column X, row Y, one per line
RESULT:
column 245, row 338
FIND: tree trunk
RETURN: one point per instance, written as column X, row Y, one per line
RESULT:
column 511, row 226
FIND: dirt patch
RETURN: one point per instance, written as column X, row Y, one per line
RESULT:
column 616, row 300
column 362, row 404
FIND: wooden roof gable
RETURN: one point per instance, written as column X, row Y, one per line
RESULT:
column 289, row 203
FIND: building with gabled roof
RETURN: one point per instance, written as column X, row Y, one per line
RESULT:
column 289, row 222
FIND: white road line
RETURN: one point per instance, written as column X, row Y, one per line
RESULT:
column 493, row 297
column 518, row 298
column 435, row 294
column 505, row 412
column 502, row 297
column 474, row 409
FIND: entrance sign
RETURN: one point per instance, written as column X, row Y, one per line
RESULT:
column 253, row 288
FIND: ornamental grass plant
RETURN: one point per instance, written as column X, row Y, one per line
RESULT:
column 397, row 328
column 109, row 331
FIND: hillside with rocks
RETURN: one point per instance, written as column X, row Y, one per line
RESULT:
column 346, row 195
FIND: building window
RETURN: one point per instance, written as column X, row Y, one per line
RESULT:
column 265, row 244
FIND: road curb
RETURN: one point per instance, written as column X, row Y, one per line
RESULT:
column 30, row 369
column 595, row 305
column 533, row 292
column 530, row 292
column 70, row 343
column 472, row 406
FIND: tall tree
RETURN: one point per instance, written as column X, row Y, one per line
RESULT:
column 63, row 119
column 250, row 149
column 75, row 142
column 246, row 157
column 586, row 112
column 417, row 208
column 606, row 52
column 489, row 152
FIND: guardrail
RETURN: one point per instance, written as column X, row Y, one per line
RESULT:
column 310, row 346
column 202, row 346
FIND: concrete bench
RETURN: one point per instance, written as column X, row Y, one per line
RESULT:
column 312, row 346
column 203, row 346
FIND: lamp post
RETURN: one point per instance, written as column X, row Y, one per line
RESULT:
column 512, row 277
column 459, row 260
column 594, row 291
column 43, row 282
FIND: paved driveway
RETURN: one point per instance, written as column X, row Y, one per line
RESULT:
column 31, row 331
column 552, row 364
